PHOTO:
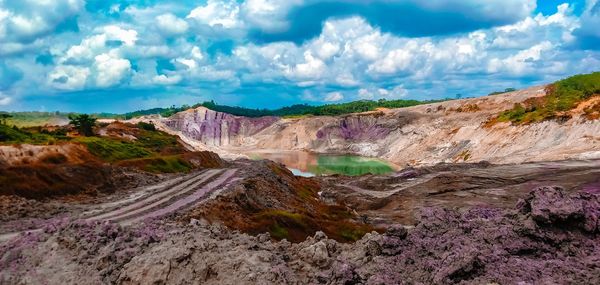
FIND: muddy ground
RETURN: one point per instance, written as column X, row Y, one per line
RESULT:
column 253, row 222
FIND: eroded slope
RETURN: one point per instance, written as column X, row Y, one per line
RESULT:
column 452, row 131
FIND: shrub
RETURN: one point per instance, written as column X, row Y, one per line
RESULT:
column 84, row 124
column 146, row 126
column 561, row 96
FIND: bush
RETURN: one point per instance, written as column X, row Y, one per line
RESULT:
column 561, row 96
column 84, row 124
column 146, row 126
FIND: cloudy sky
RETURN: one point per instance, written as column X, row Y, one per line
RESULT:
column 117, row 56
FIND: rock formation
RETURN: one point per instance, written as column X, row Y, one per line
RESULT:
column 452, row 131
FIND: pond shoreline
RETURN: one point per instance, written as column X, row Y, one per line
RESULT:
column 308, row 164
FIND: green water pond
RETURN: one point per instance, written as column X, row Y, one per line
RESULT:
column 311, row 164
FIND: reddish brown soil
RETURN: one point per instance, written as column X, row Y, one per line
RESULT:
column 46, row 181
column 271, row 199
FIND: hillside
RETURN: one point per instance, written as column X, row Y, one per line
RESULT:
column 465, row 130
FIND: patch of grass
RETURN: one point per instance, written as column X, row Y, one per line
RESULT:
column 170, row 164
column 113, row 150
column 283, row 214
column 15, row 135
column 352, row 233
column 562, row 96
column 32, row 119
column 278, row 232
column 156, row 141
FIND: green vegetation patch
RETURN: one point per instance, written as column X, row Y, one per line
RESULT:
column 278, row 231
column 32, row 119
column 156, row 141
column 15, row 135
column 113, row 150
column 562, row 96
column 352, row 234
column 168, row 164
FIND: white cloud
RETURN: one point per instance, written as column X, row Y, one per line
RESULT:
column 334, row 97
column 395, row 61
column 223, row 13
column 523, row 62
column 326, row 50
column 111, row 70
column 269, row 15
column 97, row 44
column 349, row 54
column 397, row 92
column 30, row 19
column 170, row 24
column 68, row 77
column 167, row 80
column 113, row 32
column 312, row 68
column 365, row 94
column 4, row 100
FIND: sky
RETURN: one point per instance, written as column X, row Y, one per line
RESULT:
column 119, row 56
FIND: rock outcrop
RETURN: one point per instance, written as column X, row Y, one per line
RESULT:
column 215, row 128
column 452, row 131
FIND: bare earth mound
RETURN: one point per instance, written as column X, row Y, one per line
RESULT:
column 483, row 245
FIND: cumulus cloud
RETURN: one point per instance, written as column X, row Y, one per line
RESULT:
column 111, row 70
column 220, row 13
column 171, row 25
column 334, row 97
column 67, row 77
column 588, row 35
column 397, row 92
column 25, row 21
column 307, row 50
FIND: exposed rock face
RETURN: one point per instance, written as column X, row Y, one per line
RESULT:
column 452, row 131
column 478, row 246
column 215, row 128
column 550, row 205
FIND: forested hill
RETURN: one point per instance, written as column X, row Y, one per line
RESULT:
column 290, row 111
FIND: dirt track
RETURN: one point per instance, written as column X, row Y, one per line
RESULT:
column 155, row 201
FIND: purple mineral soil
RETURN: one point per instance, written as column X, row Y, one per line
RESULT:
column 553, row 239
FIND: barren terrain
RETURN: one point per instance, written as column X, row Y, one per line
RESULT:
column 452, row 131
column 468, row 201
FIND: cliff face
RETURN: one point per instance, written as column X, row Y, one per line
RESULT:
column 453, row 131
column 215, row 128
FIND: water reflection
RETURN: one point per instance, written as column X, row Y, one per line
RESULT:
column 311, row 164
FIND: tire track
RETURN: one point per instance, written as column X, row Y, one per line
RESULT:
column 175, row 195
column 143, row 192
column 186, row 201
column 158, row 199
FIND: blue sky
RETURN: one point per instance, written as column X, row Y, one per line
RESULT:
column 118, row 56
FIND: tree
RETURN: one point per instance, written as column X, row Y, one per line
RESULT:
column 84, row 124
column 3, row 117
